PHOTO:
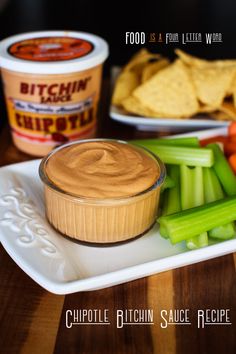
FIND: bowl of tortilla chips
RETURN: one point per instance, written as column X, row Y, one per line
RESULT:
column 152, row 86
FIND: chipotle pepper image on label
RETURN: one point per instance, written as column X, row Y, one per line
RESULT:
column 52, row 87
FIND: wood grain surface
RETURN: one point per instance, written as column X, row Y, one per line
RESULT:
column 32, row 320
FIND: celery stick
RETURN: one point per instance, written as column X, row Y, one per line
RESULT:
column 186, row 187
column 192, row 195
column 223, row 170
column 188, row 142
column 168, row 183
column 223, row 232
column 171, row 202
column 178, row 155
column 213, row 191
column 191, row 222
column 197, row 241
column 191, row 180
column 162, row 228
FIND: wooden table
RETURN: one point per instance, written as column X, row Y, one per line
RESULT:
column 32, row 320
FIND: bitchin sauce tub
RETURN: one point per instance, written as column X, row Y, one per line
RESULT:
column 52, row 87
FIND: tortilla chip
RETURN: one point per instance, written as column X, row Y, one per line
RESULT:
column 190, row 60
column 136, row 58
column 206, row 109
column 169, row 92
column 139, row 67
column 229, row 109
column 133, row 105
column 152, row 68
column 211, row 84
column 139, row 60
column 219, row 115
column 126, row 82
column 130, row 76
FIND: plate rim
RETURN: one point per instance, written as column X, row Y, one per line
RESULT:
column 148, row 121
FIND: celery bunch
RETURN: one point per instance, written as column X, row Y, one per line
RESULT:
column 194, row 204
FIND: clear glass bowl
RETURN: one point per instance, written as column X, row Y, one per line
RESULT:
column 101, row 221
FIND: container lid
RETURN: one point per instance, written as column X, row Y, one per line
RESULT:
column 52, row 52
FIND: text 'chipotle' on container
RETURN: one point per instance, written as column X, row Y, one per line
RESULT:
column 52, row 86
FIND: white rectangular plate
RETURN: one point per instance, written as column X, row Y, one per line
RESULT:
column 164, row 124
column 63, row 267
